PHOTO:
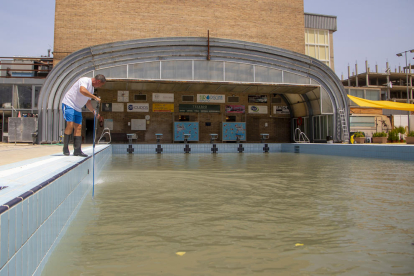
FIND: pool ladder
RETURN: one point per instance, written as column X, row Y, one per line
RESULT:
column 344, row 126
column 302, row 138
column 105, row 131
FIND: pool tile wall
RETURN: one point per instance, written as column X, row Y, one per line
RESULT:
column 31, row 229
column 397, row 152
column 196, row 148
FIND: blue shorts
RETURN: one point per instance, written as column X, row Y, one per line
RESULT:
column 71, row 115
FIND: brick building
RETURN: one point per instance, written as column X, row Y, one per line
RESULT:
column 267, row 58
column 278, row 23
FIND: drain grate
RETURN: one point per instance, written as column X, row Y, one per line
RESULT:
column 130, row 149
column 158, row 149
column 187, row 148
column 297, row 149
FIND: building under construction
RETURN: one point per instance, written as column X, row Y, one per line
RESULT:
column 390, row 85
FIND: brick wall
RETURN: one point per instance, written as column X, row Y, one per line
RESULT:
column 278, row 23
column 278, row 126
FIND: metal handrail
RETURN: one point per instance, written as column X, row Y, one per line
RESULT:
column 301, row 135
column 105, row 131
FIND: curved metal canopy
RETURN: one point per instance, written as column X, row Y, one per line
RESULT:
column 161, row 64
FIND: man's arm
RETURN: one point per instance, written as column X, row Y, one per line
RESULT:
column 90, row 107
column 86, row 93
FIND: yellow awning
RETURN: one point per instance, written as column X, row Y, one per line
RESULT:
column 382, row 104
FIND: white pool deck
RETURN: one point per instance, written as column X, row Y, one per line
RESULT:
column 23, row 166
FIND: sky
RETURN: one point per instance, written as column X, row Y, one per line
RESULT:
column 373, row 30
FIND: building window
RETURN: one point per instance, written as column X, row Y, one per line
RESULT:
column 357, row 93
column 37, row 93
column 362, row 121
column 6, row 95
column 322, row 127
column 317, row 44
column 24, row 96
column 372, row 95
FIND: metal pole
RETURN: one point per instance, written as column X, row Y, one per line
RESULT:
column 408, row 96
column 388, row 70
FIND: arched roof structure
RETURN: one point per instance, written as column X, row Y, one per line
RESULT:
column 306, row 84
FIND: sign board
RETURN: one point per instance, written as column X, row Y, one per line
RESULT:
column 138, row 124
column 137, row 107
column 235, row 109
column 231, row 129
column 181, row 128
column 113, row 107
column 163, row 97
column 258, row 109
column 280, row 109
column 123, row 96
column 210, row 98
column 118, row 107
column 257, row 98
column 109, row 123
column 106, row 107
column 157, row 107
column 199, row 108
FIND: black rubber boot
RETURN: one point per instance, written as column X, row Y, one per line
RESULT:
column 77, row 141
column 66, row 144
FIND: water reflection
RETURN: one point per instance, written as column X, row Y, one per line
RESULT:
column 242, row 214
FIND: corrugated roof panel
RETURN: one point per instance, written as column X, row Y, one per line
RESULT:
column 320, row 21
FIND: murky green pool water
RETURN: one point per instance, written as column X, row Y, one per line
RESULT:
column 243, row 214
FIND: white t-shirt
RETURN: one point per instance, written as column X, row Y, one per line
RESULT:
column 74, row 97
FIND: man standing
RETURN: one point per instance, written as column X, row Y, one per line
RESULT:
column 78, row 96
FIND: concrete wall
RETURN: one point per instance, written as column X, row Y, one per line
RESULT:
column 278, row 23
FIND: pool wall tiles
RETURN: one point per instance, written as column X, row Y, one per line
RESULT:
column 403, row 152
column 30, row 229
column 195, row 148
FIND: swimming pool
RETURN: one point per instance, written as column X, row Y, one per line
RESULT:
column 243, row 214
